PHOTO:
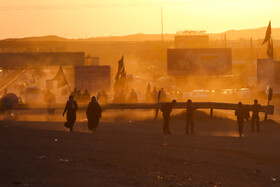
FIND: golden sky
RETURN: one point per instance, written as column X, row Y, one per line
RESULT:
column 91, row 18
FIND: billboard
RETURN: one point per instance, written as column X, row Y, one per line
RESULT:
column 92, row 78
column 21, row 60
column 199, row 61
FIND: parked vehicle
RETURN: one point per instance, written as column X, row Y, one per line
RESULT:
column 244, row 93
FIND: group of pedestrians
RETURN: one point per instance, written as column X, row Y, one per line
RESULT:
column 166, row 110
column 121, row 97
column 241, row 112
column 93, row 113
column 82, row 97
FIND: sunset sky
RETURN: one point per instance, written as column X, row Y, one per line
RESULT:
column 92, row 18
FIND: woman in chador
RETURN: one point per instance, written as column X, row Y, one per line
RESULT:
column 93, row 114
column 71, row 108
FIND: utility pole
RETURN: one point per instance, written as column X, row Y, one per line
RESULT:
column 225, row 38
column 162, row 24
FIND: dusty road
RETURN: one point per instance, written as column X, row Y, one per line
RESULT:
column 136, row 153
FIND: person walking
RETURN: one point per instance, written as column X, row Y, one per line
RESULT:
column 189, row 113
column 255, row 116
column 93, row 114
column 133, row 97
column 240, row 114
column 71, row 108
column 166, row 109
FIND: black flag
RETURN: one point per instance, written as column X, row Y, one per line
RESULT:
column 268, row 33
column 270, row 49
column 121, row 70
column 121, row 65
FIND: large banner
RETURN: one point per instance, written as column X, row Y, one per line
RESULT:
column 92, row 78
column 199, row 61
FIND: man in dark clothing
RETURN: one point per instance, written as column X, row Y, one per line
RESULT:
column 189, row 113
column 122, row 97
column 162, row 95
column 78, row 96
column 166, row 109
column 148, row 94
column 155, row 95
column 93, row 114
column 71, row 108
column 74, row 93
column 255, row 116
column 133, row 97
column 240, row 114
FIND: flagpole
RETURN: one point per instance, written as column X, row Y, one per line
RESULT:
column 66, row 81
column 69, row 88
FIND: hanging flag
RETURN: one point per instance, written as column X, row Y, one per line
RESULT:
column 270, row 49
column 117, row 76
column 121, row 70
column 60, row 78
column 268, row 33
column 121, row 65
column 123, row 73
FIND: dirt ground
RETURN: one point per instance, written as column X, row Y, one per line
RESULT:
column 132, row 151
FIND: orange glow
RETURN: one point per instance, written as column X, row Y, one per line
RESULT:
column 91, row 18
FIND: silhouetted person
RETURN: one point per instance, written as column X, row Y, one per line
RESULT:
column 148, row 94
column 74, row 93
column 162, row 95
column 122, row 97
column 247, row 113
column 86, row 96
column 155, row 95
column 78, row 96
column 157, row 99
column 71, row 108
column 93, row 114
column 255, row 116
column 102, row 97
column 116, row 96
column 166, row 109
column 240, row 114
column 189, row 114
column 160, row 98
column 133, row 97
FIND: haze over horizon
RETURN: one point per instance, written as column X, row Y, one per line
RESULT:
column 92, row 18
